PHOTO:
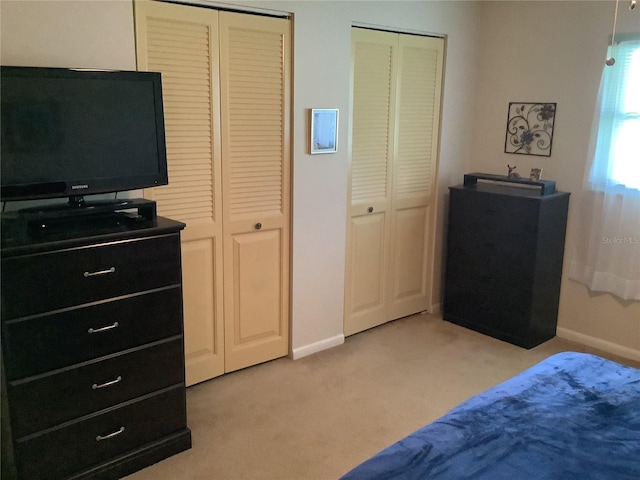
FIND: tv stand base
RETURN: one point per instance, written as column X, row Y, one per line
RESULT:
column 77, row 208
column 50, row 222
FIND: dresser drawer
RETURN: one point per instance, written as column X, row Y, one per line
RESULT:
column 95, row 439
column 43, row 282
column 480, row 246
column 47, row 342
column 493, row 216
column 510, row 268
column 92, row 387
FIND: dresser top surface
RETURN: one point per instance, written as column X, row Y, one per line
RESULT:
column 508, row 190
column 21, row 241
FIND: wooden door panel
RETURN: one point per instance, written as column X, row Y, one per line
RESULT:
column 409, row 290
column 181, row 42
column 255, row 87
column 255, row 299
column 415, row 161
column 225, row 75
column 395, row 128
column 419, row 80
column 255, row 122
column 365, row 305
column 203, row 327
column 373, row 57
column 370, row 182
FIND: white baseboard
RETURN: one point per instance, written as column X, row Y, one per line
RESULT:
column 316, row 347
column 598, row 343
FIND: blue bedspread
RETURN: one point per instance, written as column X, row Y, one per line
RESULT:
column 573, row 416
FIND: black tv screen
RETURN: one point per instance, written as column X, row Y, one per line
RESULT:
column 68, row 133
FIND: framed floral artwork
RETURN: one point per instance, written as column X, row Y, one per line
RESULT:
column 530, row 128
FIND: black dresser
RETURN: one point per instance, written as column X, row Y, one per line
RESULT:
column 505, row 249
column 92, row 351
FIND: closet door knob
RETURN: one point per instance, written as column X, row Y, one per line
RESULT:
column 370, row 209
column 258, row 226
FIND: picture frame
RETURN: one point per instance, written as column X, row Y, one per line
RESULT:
column 324, row 130
column 530, row 128
column 536, row 174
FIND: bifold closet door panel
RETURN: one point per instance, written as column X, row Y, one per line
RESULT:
column 397, row 82
column 369, row 207
column 420, row 62
column 226, row 80
column 182, row 42
column 366, row 289
column 255, row 89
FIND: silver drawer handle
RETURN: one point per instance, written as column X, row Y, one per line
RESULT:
column 99, row 438
column 103, row 329
column 95, row 386
column 99, row 272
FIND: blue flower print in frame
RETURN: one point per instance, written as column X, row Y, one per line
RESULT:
column 530, row 128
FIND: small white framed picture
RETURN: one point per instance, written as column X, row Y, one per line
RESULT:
column 324, row 130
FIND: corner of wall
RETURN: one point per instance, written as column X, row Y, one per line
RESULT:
column 598, row 343
column 316, row 347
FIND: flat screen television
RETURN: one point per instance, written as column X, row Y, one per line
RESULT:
column 71, row 132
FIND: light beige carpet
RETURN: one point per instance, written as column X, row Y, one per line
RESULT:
column 318, row 417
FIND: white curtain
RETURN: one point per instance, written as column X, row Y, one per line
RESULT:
column 607, row 253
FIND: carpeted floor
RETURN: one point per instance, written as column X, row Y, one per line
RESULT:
column 317, row 417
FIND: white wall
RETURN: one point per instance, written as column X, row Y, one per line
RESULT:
column 94, row 34
column 553, row 52
column 99, row 34
column 322, row 59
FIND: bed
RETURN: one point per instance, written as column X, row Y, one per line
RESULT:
column 572, row 416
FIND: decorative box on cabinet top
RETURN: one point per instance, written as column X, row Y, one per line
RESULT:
column 505, row 248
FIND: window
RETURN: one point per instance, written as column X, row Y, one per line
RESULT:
column 617, row 156
column 606, row 254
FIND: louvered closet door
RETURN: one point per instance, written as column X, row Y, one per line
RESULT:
column 181, row 42
column 373, row 96
column 255, row 88
column 416, row 152
column 395, row 116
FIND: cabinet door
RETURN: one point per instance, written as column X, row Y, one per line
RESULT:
column 181, row 42
column 373, row 115
column 255, row 92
